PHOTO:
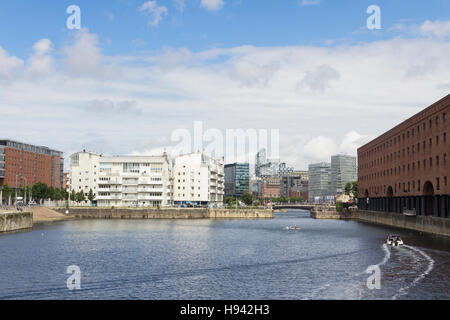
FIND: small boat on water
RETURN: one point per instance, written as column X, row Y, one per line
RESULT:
column 394, row 240
column 292, row 228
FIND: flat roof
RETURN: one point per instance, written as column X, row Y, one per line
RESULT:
column 24, row 146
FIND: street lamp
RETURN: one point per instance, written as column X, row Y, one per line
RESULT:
column 25, row 190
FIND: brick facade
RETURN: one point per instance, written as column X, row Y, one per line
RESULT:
column 25, row 165
column 408, row 166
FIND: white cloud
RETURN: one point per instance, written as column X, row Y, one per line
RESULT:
column 252, row 74
column 83, row 56
column 107, row 107
column 212, row 5
column 8, row 65
column 320, row 149
column 440, row 29
column 155, row 12
column 41, row 63
column 352, row 141
column 319, row 80
column 434, row 29
column 152, row 94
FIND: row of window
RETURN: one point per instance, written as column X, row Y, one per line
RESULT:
column 405, row 187
column 407, row 134
column 427, row 163
column 406, row 152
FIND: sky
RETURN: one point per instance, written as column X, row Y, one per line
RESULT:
column 135, row 72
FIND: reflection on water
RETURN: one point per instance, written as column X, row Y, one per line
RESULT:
column 222, row 259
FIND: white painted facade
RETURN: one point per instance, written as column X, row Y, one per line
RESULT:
column 84, row 173
column 134, row 181
column 198, row 179
column 148, row 181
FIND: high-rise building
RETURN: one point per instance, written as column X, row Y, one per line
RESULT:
column 319, row 186
column 343, row 170
column 198, row 179
column 407, row 167
column 237, row 178
column 24, row 164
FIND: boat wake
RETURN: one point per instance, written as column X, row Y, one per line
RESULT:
column 404, row 290
column 387, row 255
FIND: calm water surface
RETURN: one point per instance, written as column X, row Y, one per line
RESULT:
column 221, row 259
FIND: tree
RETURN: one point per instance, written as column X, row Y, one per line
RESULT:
column 91, row 195
column 355, row 189
column 73, row 196
column 7, row 192
column 80, row 197
column 348, row 188
column 247, row 198
column 40, row 191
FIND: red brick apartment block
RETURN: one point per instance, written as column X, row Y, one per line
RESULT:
column 24, row 165
column 408, row 167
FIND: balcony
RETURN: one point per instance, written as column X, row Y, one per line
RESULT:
column 140, row 190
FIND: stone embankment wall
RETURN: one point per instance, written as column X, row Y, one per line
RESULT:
column 166, row 213
column 13, row 221
column 427, row 224
column 329, row 212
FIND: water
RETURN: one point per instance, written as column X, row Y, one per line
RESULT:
column 221, row 259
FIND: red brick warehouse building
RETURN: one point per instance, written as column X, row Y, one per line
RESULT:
column 24, row 165
column 408, row 166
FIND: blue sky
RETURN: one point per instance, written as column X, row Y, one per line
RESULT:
column 125, row 82
column 123, row 28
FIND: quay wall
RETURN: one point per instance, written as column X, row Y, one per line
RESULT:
column 427, row 224
column 13, row 221
column 166, row 213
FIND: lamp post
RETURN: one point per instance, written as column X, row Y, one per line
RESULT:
column 25, row 190
column 15, row 198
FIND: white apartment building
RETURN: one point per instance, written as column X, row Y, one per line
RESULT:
column 84, row 172
column 198, row 179
column 134, row 181
column 148, row 181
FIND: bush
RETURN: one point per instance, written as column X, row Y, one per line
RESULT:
column 339, row 206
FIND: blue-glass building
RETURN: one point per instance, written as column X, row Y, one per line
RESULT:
column 237, row 178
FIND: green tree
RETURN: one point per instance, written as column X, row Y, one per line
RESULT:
column 91, row 195
column 355, row 189
column 7, row 193
column 348, row 188
column 81, row 197
column 73, row 196
column 247, row 198
column 40, row 191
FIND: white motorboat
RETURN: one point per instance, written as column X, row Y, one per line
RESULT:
column 394, row 240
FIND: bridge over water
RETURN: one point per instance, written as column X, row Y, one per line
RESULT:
column 294, row 206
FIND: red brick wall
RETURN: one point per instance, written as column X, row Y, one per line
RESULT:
column 397, row 157
column 42, row 167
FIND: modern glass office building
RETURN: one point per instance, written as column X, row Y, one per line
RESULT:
column 320, row 187
column 343, row 170
column 237, row 177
